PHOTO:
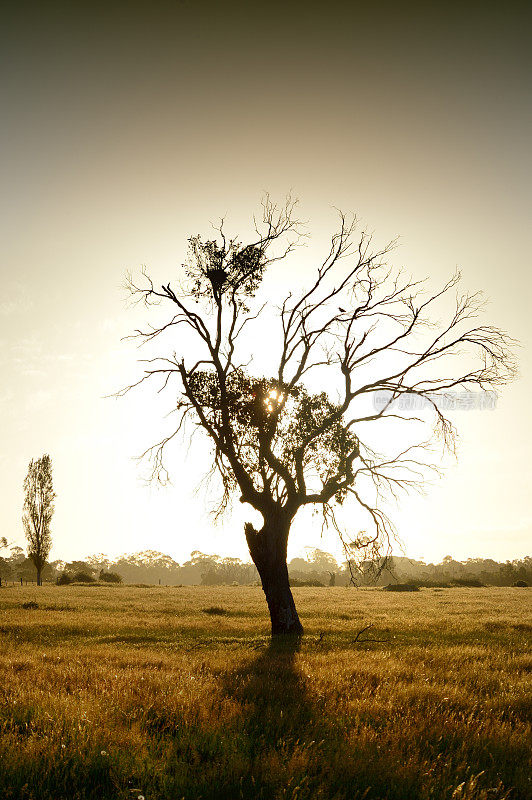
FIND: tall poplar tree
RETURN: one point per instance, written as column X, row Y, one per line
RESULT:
column 37, row 512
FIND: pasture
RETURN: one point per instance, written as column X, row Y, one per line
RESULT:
column 115, row 692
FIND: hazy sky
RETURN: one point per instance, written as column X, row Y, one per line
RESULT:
column 125, row 130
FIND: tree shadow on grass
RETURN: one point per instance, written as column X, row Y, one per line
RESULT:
column 282, row 734
column 277, row 718
column 291, row 746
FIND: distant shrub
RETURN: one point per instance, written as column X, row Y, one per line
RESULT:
column 30, row 604
column 64, row 579
column 215, row 610
column 428, row 584
column 402, row 587
column 110, row 577
column 468, row 582
column 309, row 582
column 521, row 584
column 83, row 577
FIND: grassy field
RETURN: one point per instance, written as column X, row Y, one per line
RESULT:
column 120, row 692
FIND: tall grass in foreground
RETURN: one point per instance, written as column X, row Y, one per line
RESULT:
column 120, row 692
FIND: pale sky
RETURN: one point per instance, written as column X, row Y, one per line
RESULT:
column 124, row 132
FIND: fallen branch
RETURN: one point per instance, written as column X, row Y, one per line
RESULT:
column 363, row 630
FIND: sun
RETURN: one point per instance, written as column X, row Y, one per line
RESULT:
column 273, row 398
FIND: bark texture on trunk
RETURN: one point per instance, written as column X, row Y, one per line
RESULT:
column 267, row 548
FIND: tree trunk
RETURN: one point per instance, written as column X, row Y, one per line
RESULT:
column 267, row 548
column 38, row 577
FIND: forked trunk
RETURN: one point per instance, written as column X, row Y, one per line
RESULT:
column 267, row 548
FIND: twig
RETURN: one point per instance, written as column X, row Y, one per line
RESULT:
column 363, row 630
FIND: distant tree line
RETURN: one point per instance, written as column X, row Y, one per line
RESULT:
column 318, row 568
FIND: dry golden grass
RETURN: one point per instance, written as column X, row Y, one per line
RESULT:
column 114, row 692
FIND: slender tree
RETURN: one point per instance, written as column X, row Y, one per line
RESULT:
column 376, row 337
column 4, row 568
column 38, row 510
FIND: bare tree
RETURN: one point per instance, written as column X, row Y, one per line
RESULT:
column 38, row 510
column 362, row 329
